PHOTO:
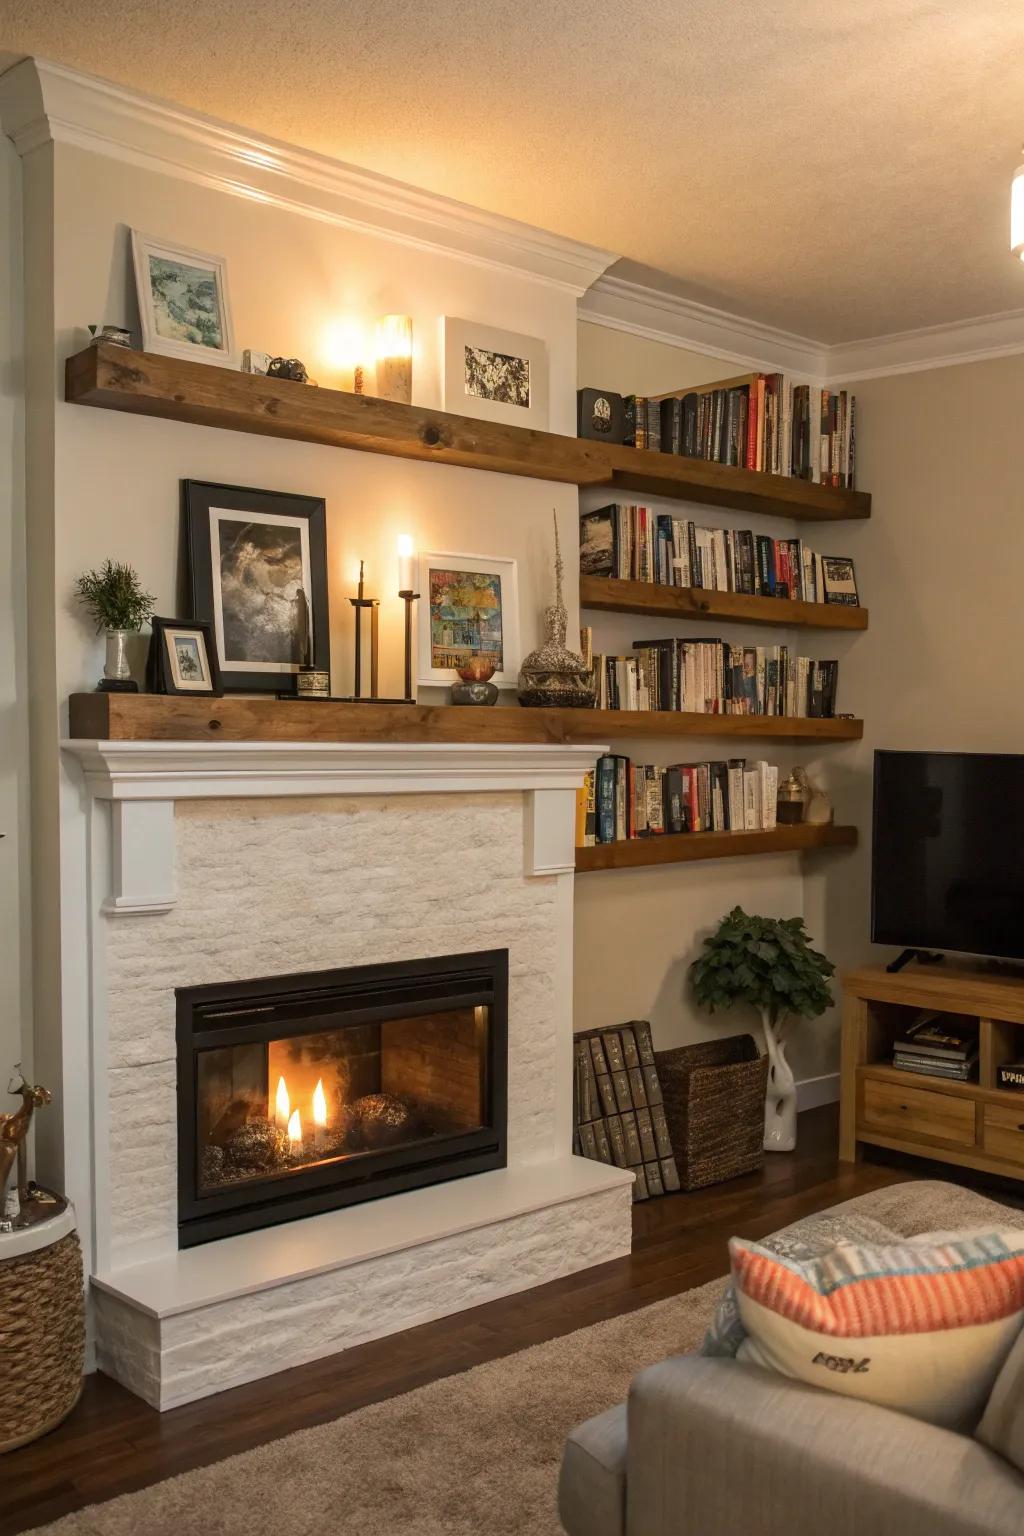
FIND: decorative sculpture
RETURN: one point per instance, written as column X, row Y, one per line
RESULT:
column 14, row 1130
column 553, row 674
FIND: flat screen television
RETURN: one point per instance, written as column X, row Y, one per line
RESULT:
column 948, row 852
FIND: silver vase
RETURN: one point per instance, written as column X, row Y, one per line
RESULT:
column 117, row 674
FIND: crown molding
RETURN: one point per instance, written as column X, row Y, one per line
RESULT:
column 43, row 102
column 932, row 346
column 622, row 305
column 666, row 317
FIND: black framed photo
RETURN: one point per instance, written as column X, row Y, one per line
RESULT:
column 257, row 573
column 839, row 580
column 183, row 658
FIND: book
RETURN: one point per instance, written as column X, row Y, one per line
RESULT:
column 618, row 1113
column 643, row 800
column 1010, row 1074
column 633, row 542
column 945, row 1036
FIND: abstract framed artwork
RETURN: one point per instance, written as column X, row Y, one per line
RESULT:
column 256, row 565
column 469, row 606
column 183, row 302
column 493, row 375
column 183, row 658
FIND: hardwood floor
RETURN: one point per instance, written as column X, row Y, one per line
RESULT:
column 114, row 1443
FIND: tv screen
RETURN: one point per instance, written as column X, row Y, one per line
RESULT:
column 948, row 852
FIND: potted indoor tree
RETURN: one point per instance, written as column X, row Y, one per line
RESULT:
column 767, row 962
column 117, row 603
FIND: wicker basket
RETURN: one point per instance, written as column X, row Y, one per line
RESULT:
column 42, row 1330
column 714, row 1096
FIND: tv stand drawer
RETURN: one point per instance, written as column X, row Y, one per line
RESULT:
column 918, row 1113
column 1003, row 1131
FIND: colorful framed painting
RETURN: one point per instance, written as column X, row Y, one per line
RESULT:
column 469, row 606
column 257, row 573
column 493, row 375
column 183, row 302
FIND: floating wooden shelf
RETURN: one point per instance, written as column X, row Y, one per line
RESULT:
column 721, row 485
column 156, row 717
column 147, row 384
column 684, row 847
column 611, row 595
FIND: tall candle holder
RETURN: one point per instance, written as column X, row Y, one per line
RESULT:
column 359, row 603
column 407, row 592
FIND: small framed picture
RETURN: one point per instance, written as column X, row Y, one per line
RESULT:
column 183, row 302
column 256, row 564
column 839, row 580
column 493, row 375
column 182, row 658
column 469, row 606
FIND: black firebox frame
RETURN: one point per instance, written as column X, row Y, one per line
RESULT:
column 270, row 1008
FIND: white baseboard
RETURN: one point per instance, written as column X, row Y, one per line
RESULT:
column 814, row 1091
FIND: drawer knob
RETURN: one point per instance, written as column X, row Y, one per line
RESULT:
column 1020, row 1127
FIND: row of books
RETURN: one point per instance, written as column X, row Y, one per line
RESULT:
column 621, row 799
column 619, row 1113
column 634, row 543
column 939, row 1045
column 713, row 677
column 759, row 421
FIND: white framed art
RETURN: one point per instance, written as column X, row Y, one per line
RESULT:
column 183, row 302
column 493, row 375
column 469, row 606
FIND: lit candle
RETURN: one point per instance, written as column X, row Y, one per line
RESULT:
column 282, row 1106
column 406, row 564
column 295, row 1132
column 394, row 358
column 319, row 1116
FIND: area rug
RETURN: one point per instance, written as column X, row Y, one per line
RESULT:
column 475, row 1454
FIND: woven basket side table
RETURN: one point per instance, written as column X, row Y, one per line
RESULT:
column 42, row 1328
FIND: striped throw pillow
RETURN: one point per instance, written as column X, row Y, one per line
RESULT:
column 922, row 1325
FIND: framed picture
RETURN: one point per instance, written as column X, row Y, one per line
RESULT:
column 182, row 658
column 494, row 375
column 469, row 606
column 839, row 580
column 183, row 302
column 256, row 565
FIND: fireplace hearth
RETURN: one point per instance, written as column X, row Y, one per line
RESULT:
column 301, row 1093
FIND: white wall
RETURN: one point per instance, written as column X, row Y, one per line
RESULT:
column 15, row 1041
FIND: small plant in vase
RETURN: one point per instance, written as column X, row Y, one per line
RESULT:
column 118, row 605
column 767, row 962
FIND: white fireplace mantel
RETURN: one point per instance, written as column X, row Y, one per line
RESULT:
column 142, row 780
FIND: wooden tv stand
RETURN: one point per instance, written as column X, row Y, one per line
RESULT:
column 974, row 1125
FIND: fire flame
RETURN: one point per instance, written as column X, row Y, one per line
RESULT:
column 319, row 1104
column 294, row 1128
column 282, row 1105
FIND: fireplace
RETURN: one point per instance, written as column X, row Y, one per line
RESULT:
column 298, row 1094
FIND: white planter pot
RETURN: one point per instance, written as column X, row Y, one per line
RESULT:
column 780, row 1103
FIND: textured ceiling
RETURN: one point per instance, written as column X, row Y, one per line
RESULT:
column 841, row 171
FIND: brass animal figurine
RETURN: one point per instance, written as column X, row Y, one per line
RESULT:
column 14, row 1129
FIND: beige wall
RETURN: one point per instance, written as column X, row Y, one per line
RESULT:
column 15, row 1042
column 939, row 566
column 634, row 365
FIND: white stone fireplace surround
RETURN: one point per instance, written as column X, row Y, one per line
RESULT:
column 222, row 861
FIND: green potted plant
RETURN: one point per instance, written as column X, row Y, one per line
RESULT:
column 767, row 962
column 118, row 605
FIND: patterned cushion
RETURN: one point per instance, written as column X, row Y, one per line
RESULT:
column 922, row 1325
column 810, row 1238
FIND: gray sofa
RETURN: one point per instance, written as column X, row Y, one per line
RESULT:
column 714, row 1447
